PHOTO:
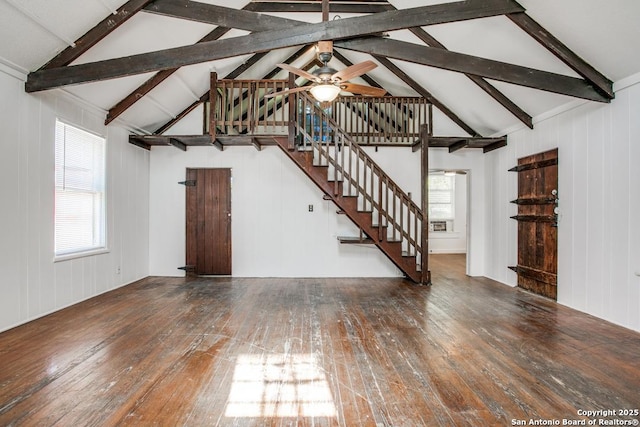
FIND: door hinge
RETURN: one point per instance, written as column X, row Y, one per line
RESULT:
column 188, row 183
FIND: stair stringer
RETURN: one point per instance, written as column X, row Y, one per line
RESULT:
column 349, row 204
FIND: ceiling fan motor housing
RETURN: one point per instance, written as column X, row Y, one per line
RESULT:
column 325, row 73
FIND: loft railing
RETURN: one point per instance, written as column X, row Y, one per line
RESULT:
column 397, row 217
column 240, row 107
column 381, row 120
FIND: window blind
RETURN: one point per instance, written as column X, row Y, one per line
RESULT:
column 441, row 197
column 79, row 190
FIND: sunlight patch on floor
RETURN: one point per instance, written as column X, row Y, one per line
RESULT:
column 280, row 385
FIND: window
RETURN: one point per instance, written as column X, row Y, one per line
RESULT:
column 441, row 197
column 80, row 191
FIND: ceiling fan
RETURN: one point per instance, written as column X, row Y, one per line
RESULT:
column 326, row 82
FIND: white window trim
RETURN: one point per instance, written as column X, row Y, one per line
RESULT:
column 97, row 250
column 453, row 207
column 83, row 254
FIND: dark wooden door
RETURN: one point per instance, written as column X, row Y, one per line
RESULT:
column 537, row 223
column 209, row 221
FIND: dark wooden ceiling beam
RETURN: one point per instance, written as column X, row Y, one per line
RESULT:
column 218, row 15
column 139, row 141
column 487, row 68
column 266, row 41
column 178, row 144
column 335, row 7
column 325, row 10
column 561, row 51
column 495, row 145
column 458, row 145
column 425, row 94
column 491, row 90
column 455, row 143
column 97, row 33
column 218, row 144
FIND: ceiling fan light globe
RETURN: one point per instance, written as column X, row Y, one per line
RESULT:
column 325, row 92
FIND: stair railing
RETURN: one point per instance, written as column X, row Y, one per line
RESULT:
column 396, row 216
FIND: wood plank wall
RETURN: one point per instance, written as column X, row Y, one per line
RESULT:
column 599, row 231
column 32, row 284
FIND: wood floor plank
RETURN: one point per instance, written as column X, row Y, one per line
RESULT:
column 316, row 352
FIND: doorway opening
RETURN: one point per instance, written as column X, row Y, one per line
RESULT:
column 449, row 201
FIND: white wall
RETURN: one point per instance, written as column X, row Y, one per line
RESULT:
column 599, row 192
column 31, row 284
column 273, row 233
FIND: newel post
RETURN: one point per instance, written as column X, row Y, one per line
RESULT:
column 213, row 104
column 425, row 133
column 293, row 108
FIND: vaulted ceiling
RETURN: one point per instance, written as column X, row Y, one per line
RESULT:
column 487, row 65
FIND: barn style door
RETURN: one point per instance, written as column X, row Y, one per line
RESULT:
column 537, row 223
column 208, row 221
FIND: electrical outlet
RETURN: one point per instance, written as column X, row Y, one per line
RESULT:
column 310, row 208
column 118, row 270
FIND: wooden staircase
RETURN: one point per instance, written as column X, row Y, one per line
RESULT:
column 358, row 186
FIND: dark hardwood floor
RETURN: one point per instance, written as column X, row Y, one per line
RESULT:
column 349, row 352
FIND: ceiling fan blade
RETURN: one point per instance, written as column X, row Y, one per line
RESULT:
column 354, row 71
column 363, row 90
column 287, row 91
column 299, row 72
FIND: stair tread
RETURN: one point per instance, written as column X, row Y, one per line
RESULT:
column 355, row 239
